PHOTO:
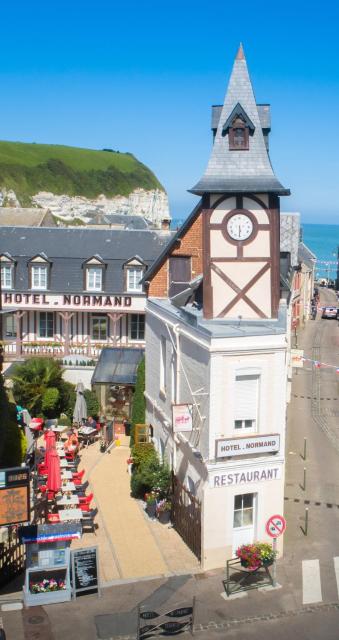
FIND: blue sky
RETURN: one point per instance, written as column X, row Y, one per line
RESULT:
column 140, row 76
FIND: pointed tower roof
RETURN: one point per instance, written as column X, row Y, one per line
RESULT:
column 244, row 170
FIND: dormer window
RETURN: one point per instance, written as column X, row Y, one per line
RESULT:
column 94, row 279
column 94, row 271
column 39, row 270
column 7, row 272
column 238, row 135
column 239, row 128
column 134, row 271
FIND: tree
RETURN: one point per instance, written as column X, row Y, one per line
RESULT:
column 138, row 403
column 33, row 378
column 12, row 439
column 50, row 402
column 93, row 406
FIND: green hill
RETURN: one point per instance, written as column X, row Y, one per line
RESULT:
column 30, row 168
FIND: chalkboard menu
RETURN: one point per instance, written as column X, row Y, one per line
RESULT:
column 85, row 575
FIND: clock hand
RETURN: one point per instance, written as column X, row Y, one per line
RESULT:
column 239, row 231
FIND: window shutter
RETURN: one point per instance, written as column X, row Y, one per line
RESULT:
column 246, row 397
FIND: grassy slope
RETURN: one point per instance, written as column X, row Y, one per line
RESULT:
column 29, row 168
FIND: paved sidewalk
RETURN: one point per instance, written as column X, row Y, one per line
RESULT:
column 131, row 545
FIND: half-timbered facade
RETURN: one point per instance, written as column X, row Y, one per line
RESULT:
column 216, row 338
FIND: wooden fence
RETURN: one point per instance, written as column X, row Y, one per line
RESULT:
column 186, row 516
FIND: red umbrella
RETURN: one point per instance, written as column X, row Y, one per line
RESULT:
column 50, row 445
column 54, row 475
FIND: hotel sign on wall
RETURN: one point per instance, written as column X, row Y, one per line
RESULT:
column 228, row 447
column 74, row 301
column 182, row 417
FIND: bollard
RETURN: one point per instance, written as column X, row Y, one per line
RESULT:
column 305, row 445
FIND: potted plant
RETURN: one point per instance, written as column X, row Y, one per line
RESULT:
column 151, row 504
column 163, row 510
column 252, row 556
column 249, row 556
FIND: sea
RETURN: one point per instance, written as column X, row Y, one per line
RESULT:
column 321, row 239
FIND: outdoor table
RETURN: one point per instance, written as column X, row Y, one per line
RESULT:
column 70, row 514
column 67, row 501
column 60, row 428
column 86, row 434
column 70, row 486
column 66, row 475
column 61, row 453
column 64, row 464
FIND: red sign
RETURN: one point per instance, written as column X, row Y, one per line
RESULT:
column 275, row 526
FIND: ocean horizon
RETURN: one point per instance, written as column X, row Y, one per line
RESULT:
column 321, row 239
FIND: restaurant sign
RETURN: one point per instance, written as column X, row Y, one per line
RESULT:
column 247, row 476
column 14, row 495
column 182, row 417
column 228, row 447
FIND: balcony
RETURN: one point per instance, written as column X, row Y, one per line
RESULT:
column 20, row 351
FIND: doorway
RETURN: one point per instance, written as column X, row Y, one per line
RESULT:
column 244, row 519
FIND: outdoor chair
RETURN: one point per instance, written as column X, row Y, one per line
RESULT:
column 84, row 507
column 86, row 499
column 79, row 475
column 53, row 518
column 88, row 520
column 81, row 487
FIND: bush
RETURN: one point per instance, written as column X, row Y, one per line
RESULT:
column 93, row 406
column 12, row 439
column 149, row 474
column 138, row 402
column 143, row 453
column 50, row 401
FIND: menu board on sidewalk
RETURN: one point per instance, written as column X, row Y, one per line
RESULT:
column 85, row 574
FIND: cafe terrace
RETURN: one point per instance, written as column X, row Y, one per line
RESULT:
column 74, row 290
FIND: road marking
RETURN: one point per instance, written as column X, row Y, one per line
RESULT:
column 11, row 606
column 336, row 571
column 311, row 581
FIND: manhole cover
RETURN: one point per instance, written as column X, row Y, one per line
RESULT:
column 35, row 619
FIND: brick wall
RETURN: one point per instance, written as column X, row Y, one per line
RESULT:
column 190, row 245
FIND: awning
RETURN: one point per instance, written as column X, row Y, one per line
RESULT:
column 117, row 365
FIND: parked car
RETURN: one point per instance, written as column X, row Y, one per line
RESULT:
column 329, row 312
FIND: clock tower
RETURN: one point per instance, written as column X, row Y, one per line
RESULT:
column 240, row 209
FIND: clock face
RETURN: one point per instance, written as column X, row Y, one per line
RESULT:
column 239, row 226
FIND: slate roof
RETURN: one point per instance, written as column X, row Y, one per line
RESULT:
column 124, row 221
column 117, row 365
column 305, row 256
column 243, row 171
column 26, row 217
column 67, row 249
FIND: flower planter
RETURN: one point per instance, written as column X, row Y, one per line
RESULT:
column 164, row 517
column 248, row 566
column 151, row 509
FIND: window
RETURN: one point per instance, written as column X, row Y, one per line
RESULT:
column 99, row 328
column 238, row 135
column 46, row 324
column 39, row 276
column 163, row 364
column 137, row 326
column 10, row 326
column 134, row 275
column 7, row 276
column 243, row 515
column 246, row 402
column 94, row 279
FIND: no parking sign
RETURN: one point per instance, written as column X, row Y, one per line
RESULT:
column 275, row 526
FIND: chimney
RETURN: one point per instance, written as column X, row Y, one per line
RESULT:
column 165, row 224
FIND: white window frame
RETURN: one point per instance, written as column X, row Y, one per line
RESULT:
column 244, row 427
column 133, row 277
column 96, row 285
column 99, row 317
column 162, row 376
column 244, row 510
column 41, row 271
column 6, row 269
column 9, row 319
column 138, row 327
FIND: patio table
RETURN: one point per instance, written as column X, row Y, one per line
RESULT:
column 70, row 514
column 66, row 475
column 61, row 453
column 64, row 464
column 60, row 428
column 70, row 486
column 66, row 501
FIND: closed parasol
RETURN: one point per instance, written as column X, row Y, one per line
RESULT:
column 80, row 408
column 50, row 445
column 54, row 475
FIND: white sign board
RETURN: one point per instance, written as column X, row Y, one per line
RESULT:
column 182, row 417
column 297, row 358
column 248, row 476
column 244, row 446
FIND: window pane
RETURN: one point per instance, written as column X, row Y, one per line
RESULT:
column 238, row 424
column 134, row 275
column 94, row 279
column 237, row 502
column 248, row 500
column 237, row 520
column 247, row 517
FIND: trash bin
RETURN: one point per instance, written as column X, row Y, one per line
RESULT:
column 127, row 428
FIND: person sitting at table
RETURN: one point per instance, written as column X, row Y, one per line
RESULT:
column 91, row 423
column 72, row 442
